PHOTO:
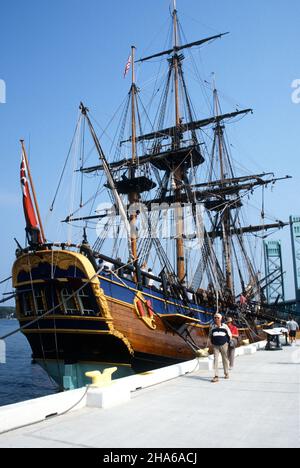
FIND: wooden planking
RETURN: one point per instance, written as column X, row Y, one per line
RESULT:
column 160, row 341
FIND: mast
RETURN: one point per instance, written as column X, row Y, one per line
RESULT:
column 226, row 213
column 176, row 63
column 43, row 238
column 133, row 95
column 133, row 197
column 179, row 158
column 178, row 172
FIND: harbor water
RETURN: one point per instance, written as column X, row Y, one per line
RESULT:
column 20, row 380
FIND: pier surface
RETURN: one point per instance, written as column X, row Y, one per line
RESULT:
column 258, row 407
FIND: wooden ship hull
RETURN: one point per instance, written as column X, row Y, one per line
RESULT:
column 76, row 320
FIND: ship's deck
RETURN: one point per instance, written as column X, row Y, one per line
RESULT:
column 258, row 407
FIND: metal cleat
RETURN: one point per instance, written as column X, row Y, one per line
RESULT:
column 103, row 379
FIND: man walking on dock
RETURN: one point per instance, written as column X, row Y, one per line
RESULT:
column 292, row 327
column 220, row 335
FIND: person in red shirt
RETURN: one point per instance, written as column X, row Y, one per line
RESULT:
column 233, row 343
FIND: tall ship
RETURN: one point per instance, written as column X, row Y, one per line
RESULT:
column 172, row 244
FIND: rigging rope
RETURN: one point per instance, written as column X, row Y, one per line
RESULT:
column 5, row 280
column 65, row 164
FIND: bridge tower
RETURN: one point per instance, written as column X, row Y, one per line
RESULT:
column 274, row 272
column 295, row 234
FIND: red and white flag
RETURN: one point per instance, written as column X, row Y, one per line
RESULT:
column 29, row 211
column 127, row 67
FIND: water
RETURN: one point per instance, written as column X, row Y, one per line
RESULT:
column 20, row 380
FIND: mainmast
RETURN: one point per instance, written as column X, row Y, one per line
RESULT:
column 225, row 222
column 133, row 197
column 178, row 171
column 176, row 65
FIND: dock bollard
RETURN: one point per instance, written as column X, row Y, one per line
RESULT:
column 102, row 394
column 101, row 379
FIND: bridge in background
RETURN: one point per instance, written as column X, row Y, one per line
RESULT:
column 275, row 290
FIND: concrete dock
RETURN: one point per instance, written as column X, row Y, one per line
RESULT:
column 258, row 407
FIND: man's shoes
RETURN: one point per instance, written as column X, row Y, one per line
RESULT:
column 215, row 380
column 226, row 377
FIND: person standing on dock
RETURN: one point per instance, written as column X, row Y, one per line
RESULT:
column 220, row 335
column 292, row 327
column 233, row 342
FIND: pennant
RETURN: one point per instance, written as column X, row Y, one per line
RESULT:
column 127, row 67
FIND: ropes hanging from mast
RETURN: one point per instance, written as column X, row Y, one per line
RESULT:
column 119, row 202
column 173, row 169
column 65, row 164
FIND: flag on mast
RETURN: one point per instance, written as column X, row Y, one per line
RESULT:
column 127, row 67
column 32, row 225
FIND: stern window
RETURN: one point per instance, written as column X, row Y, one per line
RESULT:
column 27, row 308
column 69, row 302
column 85, row 303
column 39, row 302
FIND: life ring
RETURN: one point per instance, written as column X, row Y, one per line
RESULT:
column 140, row 307
column 150, row 308
column 144, row 310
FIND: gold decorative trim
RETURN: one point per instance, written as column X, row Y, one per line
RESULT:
column 58, row 258
column 66, row 317
column 118, row 301
column 119, row 335
column 148, row 319
column 29, row 283
column 28, row 331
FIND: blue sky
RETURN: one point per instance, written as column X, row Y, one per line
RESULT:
column 53, row 54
